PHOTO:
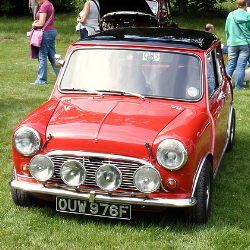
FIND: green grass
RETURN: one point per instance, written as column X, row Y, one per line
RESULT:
column 43, row 228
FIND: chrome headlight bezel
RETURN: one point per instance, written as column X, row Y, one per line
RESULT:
column 171, row 154
column 26, row 141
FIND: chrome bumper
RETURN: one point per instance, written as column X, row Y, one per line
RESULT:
column 92, row 196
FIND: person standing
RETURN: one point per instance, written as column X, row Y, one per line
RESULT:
column 238, row 48
column 88, row 20
column 33, row 6
column 47, row 49
column 248, row 7
column 209, row 28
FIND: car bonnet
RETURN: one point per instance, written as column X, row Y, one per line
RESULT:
column 117, row 126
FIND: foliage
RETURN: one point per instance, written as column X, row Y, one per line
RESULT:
column 12, row 7
column 199, row 5
column 21, row 7
column 6, row 5
column 78, row 4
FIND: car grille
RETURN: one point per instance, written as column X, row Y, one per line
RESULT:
column 91, row 164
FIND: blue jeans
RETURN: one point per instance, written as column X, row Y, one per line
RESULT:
column 47, row 49
column 83, row 33
column 225, row 49
column 237, row 57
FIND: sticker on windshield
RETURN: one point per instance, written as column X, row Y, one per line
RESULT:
column 151, row 56
column 192, row 92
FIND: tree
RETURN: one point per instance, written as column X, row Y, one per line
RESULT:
column 22, row 7
column 183, row 6
column 195, row 5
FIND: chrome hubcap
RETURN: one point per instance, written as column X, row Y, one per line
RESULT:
column 232, row 131
column 208, row 194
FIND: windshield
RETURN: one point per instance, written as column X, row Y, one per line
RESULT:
column 148, row 73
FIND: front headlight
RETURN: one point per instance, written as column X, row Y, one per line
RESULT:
column 147, row 179
column 26, row 141
column 172, row 154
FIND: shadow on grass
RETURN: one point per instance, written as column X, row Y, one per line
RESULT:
column 170, row 218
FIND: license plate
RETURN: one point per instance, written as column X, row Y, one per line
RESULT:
column 101, row 209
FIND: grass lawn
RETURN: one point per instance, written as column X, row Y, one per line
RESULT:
column 44, row 228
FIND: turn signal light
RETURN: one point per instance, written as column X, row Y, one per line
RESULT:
column 25, row 169
column 171, row 183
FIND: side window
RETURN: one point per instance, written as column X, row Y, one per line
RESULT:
column 219, row 64
column 213, row 72
column 210, row 74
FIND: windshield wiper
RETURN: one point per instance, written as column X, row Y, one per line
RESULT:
column 101, row 92
column 85, row 91
column 95, row 92
column 121, row 92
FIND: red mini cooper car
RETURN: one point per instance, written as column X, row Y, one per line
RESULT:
column 139, row 119
column 135, row 13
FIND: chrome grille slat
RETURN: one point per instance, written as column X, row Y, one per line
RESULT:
column 91, row 164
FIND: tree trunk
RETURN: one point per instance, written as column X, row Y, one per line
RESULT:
column 183, row 6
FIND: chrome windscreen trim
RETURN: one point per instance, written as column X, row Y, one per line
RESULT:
column 118, row 46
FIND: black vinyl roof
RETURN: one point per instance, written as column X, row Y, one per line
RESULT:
column 198, row 39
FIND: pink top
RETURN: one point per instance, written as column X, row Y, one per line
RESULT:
column 47, row 8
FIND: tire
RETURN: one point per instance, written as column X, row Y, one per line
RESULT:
column 200, row 212
column 20, row 197
column 230, row 144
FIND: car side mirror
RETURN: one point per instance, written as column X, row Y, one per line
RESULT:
column 58, row 61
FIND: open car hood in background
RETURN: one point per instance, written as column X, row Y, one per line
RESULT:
column 109, row 6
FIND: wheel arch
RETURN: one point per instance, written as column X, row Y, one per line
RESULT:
column 20, row 197
column 208, row 157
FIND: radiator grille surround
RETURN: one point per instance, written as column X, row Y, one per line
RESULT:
column 92, row 161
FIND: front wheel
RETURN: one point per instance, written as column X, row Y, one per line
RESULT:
column 20, row 197
column 200, row 212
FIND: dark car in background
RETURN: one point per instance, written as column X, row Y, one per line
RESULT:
column 135, row 13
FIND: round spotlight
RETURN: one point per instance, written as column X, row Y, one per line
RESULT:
column 73, row 173
column 41, row 167
column 108, row 177
column 147, row 179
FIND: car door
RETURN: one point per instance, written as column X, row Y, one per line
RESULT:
column 219, row 102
